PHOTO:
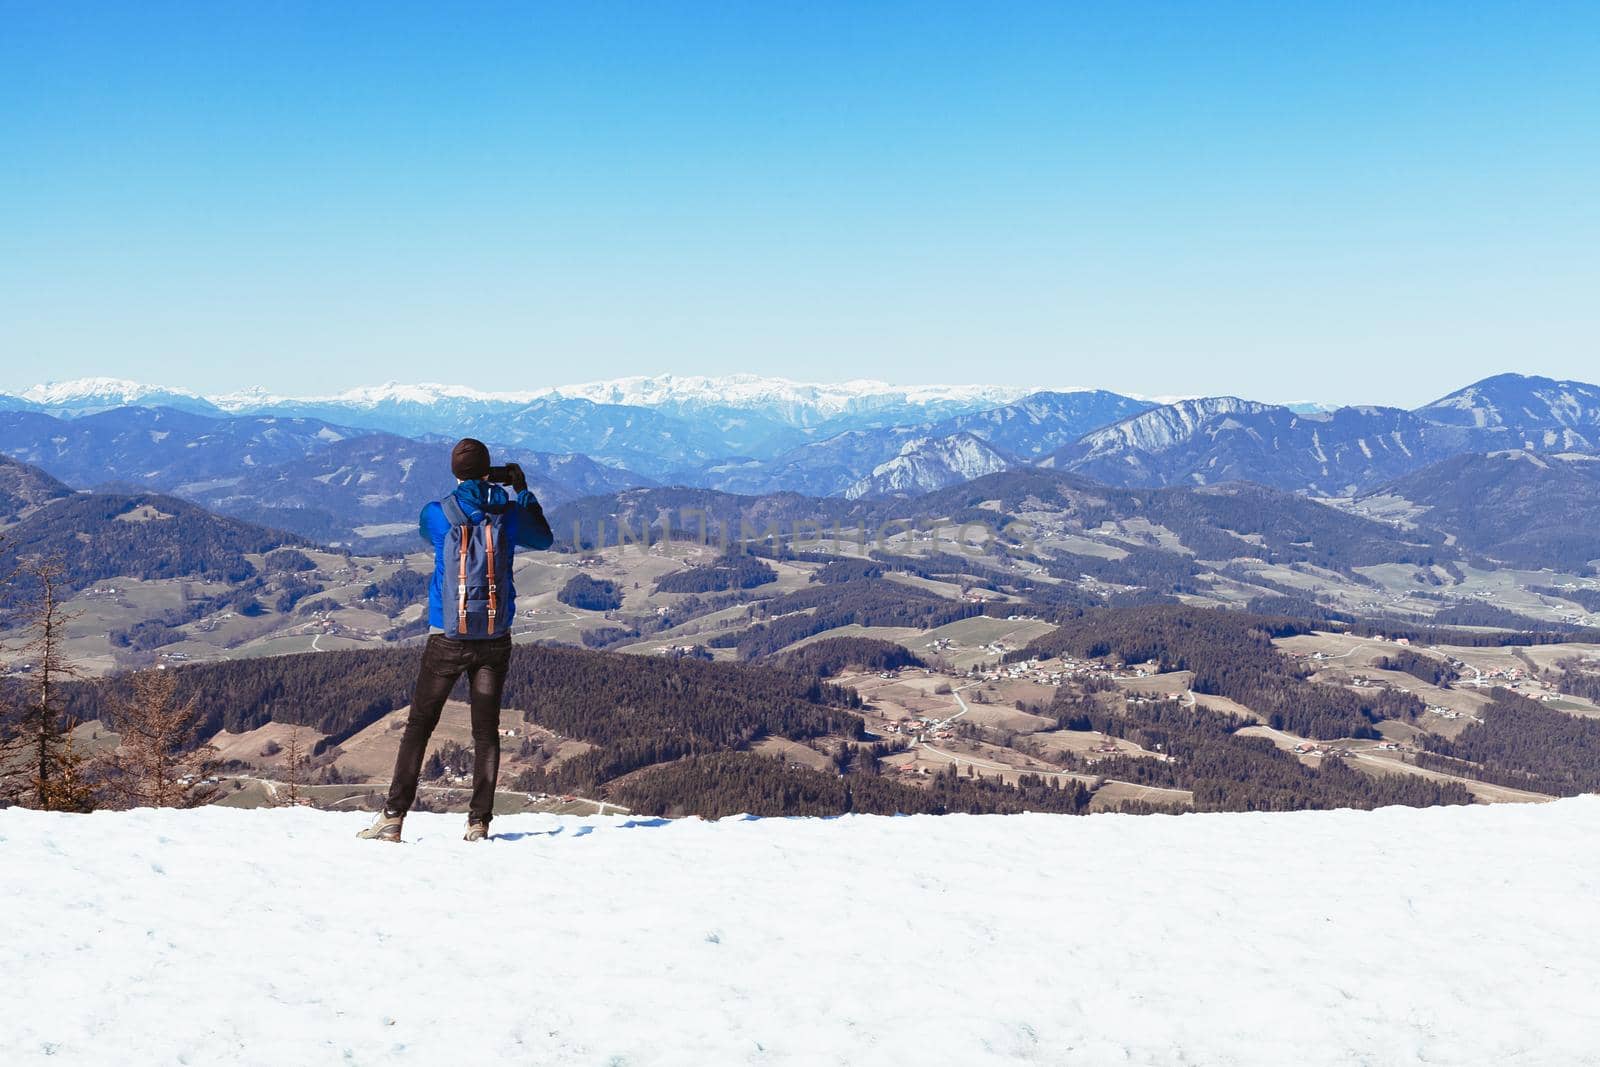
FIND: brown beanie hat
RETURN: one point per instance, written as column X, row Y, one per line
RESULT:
column 469, row 459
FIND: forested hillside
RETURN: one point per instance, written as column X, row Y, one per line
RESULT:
column 1229, row 772
column 23, row 486
column 636, row 710
column 1523, row 744
column 1516, row 507
column 732, row 783
column 1231, row 655
column 102, row 535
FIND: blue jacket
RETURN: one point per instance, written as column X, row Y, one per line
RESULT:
column 524, row 522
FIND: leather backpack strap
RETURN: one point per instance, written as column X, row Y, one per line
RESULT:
column 488, row 555
column 458, row 518
column 461, row 574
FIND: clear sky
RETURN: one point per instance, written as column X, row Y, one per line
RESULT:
column 1345, row 202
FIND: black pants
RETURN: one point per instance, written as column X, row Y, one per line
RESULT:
column 445, row 659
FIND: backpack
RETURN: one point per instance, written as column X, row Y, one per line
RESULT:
column 477, row 574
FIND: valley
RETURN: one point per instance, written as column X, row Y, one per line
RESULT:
column 983, row 636
column 977, row 710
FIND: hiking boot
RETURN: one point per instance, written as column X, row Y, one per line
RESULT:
column 477, row 831
column 385, row 827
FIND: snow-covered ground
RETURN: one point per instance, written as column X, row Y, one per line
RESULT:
column 221, row 936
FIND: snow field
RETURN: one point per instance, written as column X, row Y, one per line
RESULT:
column 1461, row 936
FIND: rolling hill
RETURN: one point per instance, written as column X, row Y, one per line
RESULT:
column 144, row 535
column 1232, row 521
column 1516, row 507
column 23, row 486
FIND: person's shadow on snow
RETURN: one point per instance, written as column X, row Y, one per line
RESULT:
column 582, row 831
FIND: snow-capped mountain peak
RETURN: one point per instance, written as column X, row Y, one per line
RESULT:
column 87, row 395
column 110, row 390
column 818, row 401
column 927, row 463
column 1162, row 427
column 786, row 401
column 368, row 397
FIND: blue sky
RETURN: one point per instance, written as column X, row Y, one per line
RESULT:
column 1342, row 202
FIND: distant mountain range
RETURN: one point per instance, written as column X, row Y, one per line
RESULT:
column 652, row 424
column 789, row 402
column 1008, row 436
column 1334, row 453
column 353, row 468
column 335, row 484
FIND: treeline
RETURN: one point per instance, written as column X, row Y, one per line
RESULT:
column 1525, row 745
column 1296, row 606
column 1588, row 599
column 1153, row 569
column 732, row 783
column 847, row 569
column 1578, row 677
column 288, row 560
column 1492, row 615
column 863, row 602
column 606, row 636
column 644, row 710
column 1422, row 634
column 638, row 710
column 397, row 590
column 1227, row 772
column 1320, row 617
column 1430, row 669
column 833, row 655
column 1232, row 655
column 294, row 589
column 334, row 693
column 590, row 594
column 730, row 572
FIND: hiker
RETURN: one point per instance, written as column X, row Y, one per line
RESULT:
column 471, row 602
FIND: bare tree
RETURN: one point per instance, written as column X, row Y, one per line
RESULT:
column 46, row 770
column 295, row 763
column 158, row 763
